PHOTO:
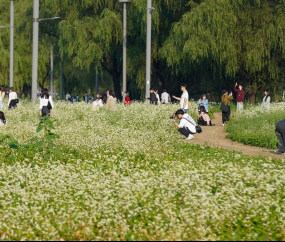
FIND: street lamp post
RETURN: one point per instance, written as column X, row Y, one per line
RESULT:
column 51, row 70
column 124, row 46
column 11, row 43
column 148, row 47
column 36, row 21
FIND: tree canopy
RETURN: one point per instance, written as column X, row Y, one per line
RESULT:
column 209, row 44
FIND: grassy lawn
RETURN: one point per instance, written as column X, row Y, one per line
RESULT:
column 256, row 126
column 128, row 175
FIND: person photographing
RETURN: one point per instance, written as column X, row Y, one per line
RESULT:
column 184, row 98
column 186, row 126
column 240, row 96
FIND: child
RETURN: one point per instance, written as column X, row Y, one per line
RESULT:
column 127, row 98
column 204, row 118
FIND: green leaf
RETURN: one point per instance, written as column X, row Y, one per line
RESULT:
column 40, row 128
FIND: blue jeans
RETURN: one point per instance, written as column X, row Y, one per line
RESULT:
column 1, row 105
column 185, row 110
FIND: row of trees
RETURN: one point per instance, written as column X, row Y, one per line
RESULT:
column 209, row 44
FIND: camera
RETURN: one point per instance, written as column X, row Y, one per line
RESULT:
column 172, row 117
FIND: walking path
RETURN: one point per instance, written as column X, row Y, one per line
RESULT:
column 215, row 136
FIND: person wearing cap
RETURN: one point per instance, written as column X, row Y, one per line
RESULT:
column 240, row 96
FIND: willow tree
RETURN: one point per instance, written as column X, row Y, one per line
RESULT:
column 241, row 39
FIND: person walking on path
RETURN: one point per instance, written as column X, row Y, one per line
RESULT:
column 204, row 102
column 226, row 101
column 165, row 97
column 240, row 96
column 12, row 98
column 184, row 98
column 46, row 103
column 280, row 133
column 152, row 98
column 127, row 99
column 2, row 95
column 266, row 99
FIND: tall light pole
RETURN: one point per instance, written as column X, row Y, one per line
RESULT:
column 51, row 70
column 11, row 43
column 97, row 82
column 148, row 47
column 36, row 21
column 124, row 46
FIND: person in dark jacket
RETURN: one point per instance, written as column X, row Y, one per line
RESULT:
column 280, row 133
column 152, row 98
column 240, row 96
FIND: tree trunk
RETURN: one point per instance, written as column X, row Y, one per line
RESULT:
column 251, row 96
column 117, row 86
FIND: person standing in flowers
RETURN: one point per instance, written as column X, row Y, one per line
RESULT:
column 266, row 99
column 46, row 103
column 204, row 102
column 226, row 101
column 184, row 98
column 280, row 133
column 112, row 100
column 187, row 125
column 2, row 95
column 12, row 98
column 152, row 98
column 240, row 96
column 127, row 99
column 165, row 97
column 157, row 96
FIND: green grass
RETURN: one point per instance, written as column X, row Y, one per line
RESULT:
column 256, row 126
column 128, row 175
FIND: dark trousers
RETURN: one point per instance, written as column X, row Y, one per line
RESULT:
column 12, row 104
column 226, row 116
column 45, row 111
column 185, row 131
column 280, row 132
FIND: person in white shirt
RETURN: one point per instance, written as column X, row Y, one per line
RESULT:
column 99, row 102
column 12, row 98
column 184, row 98
column 266, row 99
column 2, row 95
column 157, row 96
column 165, row 97
column 67, row 96
column 46, row 103
column 187, row 125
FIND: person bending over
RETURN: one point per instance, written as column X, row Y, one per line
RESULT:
column 187, row 125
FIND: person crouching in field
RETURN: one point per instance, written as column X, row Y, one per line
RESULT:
column 280, row 133
column 204, row 118
column 99, row 102
column 187, row 125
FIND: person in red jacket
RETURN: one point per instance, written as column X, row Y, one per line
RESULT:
column 240, row 96
column 127, row 98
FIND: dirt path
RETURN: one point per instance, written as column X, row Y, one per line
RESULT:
column 215, row 136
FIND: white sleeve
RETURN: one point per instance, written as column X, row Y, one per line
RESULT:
column 182, row 123
column 9, row 99
column 51, row 102
column 41, row 103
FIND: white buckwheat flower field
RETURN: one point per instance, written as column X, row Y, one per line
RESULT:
column 128, row 175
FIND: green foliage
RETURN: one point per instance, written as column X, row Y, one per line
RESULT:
column 255, row 126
